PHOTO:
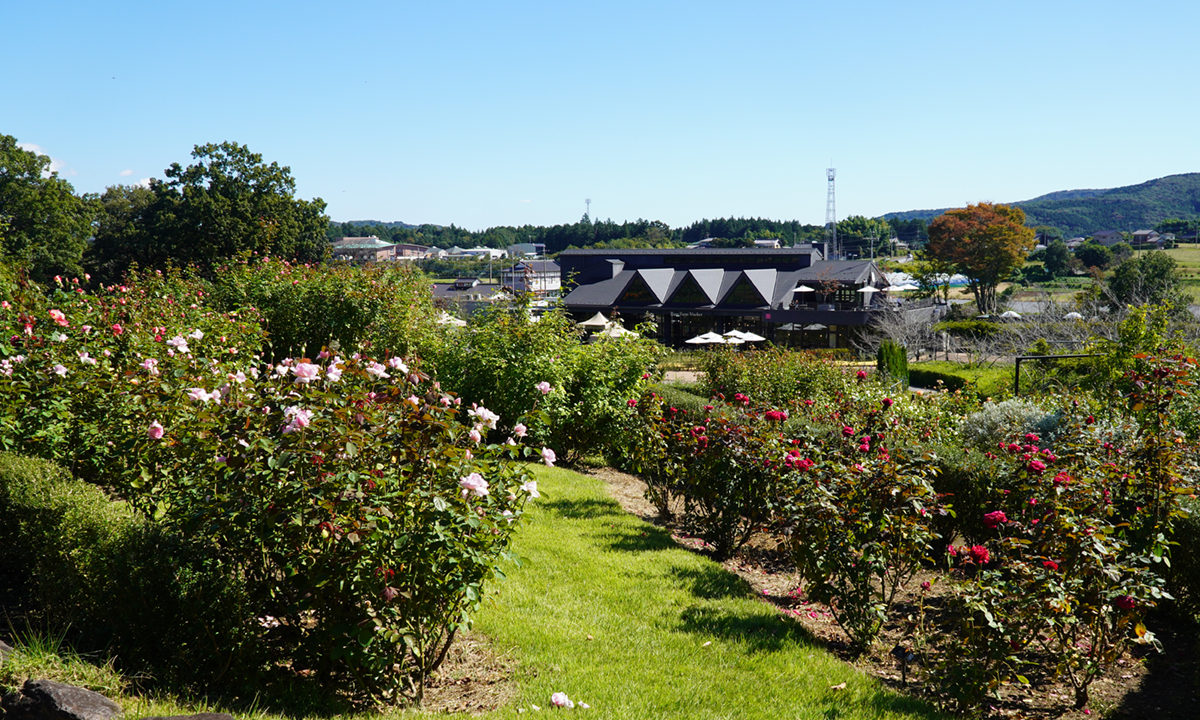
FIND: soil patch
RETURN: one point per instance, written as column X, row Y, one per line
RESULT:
column 474, row 678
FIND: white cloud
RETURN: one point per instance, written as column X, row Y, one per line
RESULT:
column 524, row 201
column 126, row 173
column 144, row 182
column 55, row 164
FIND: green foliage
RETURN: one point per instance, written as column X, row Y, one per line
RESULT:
column 984, row 242
column 75, row 562
column 982, row 382
column 500, row 360
column 1094, row 255
column 1084, row 212
column 45, row 224
column 771, row 377
column 1057, row 257
column 859, row 513
column 1184, row 579
column 226, row 203
column 1151, row 278
column 891, row 362
column 997, row 422
column 345, row 498
column 306, row 307
column 969, row 328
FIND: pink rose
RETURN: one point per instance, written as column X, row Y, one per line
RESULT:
column 543, row 387
column 995, row 519
column 548, row 456
column 155, row 431
column 474, row 484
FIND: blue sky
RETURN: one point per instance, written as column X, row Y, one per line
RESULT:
column 505, row 113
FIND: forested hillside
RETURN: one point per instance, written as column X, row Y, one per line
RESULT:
column 1083, row 212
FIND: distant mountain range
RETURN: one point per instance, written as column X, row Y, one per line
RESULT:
column 1083, row 212
column 379, row 223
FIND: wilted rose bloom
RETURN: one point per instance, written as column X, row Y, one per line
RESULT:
column 531, row 488
column 196, row 335
column 59, row 370
column 151, row 365
column 238, row 377
column 300, row 418
column 379, row 371
column 520, row 430
column 994, row 519
column 86, row 359
column 543, row 387
column 560, row 699
column 548, row 456
column 333, row 373
column 390, row 593
column 1125, row 602
column 178, row 343
column 925, row 585
column 281, row 369
column 474, row 483
column 199, row 395
column 155, row 431
column 306, row 372
column 58, row 317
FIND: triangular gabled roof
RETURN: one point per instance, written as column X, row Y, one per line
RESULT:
column 658, row 280
column 764, row 282
column 732, row 290
column 710, row 282
column 687, row 292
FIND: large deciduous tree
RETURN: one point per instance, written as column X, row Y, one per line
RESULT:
column 47, row 224
column 985, row 243
column 227, row 202
column 1151, row 278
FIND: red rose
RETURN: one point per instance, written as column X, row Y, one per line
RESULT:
column 1125, row 603
column 994, row 519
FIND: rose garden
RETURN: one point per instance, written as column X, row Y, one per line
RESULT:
column 289, row 474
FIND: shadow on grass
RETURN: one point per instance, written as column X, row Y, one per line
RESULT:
column 621, row 536
column 759, row 632
column 585, row 509
column 713, row 582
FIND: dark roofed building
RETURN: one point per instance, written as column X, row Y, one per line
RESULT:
column 364, row 249
column 693, row 291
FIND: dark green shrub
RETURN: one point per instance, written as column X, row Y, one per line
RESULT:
column 1184, row 578
column 891, row 361
column 678, row 397
column 928, row 378
column 773, row 376
column 973, row 329
column 73, row 561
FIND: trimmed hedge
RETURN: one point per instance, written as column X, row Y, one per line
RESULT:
column 928, row 378
column 986, row 382
column 1184, row 580
column 73, row 561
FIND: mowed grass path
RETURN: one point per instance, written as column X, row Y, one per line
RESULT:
column 651, row 607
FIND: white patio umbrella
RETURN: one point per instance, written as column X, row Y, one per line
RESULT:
column 745, row 336
column 816, row 326
column 708, row 338
column 804, row 288
column 1011, row 315
column 616, row 330
column 1072, row 316
column 906, row 287
column 868, row 289
column 597, row 321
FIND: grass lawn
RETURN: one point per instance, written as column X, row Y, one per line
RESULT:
column 651, row 607
column 674, row 634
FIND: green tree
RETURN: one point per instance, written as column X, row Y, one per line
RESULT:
column 1057, row 257
column 984, row 242
column 1093, row 254
column 121, row 233
column 48, row 224
column 1151, row 279
column 226, row 203
column 859, row 234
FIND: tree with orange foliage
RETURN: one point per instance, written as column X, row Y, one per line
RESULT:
column 984, row 242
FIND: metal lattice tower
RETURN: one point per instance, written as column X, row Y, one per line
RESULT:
column 588, row 202
column 831, row 239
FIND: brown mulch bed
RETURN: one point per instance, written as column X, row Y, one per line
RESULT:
column 474, row 678
column 1144, row 685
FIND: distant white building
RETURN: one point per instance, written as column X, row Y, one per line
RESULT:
column 540, row 277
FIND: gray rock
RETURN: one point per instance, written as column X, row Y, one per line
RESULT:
column 197, row 716
column 49, row 700
column 5, row 650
